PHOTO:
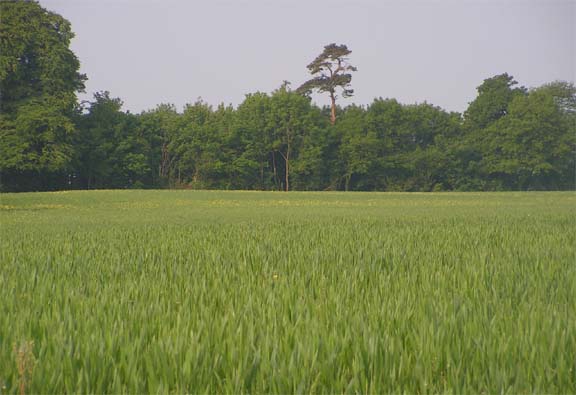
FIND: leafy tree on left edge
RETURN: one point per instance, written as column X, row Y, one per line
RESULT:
column 39, row 79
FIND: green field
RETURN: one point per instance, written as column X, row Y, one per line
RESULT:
column 259, row 292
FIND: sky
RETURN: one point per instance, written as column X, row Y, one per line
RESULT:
column 148, row 52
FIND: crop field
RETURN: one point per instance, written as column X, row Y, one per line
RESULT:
column 270, row 292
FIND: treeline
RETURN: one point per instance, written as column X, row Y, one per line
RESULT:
column 509, row 138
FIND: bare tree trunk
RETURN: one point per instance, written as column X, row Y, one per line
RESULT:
column 288, row 170
column 332, row 109
column 262, row 175
column 164, row 162
column 275, row 171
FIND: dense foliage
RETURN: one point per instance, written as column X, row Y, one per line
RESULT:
column 509, row 138
column 38, row 81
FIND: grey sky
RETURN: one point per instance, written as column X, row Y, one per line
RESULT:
column 149, row 52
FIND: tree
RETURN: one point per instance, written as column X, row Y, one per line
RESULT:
column 38, row 81
column 199, row 155
column 331, row 71
column 35, row 144
column 96, row 141
column 385, row 120
column 491, row 104
column 564, row 94
column 358, row 151
column 312, row 166
column 533, row 146
column 290, row 122
column 160, row 126
column 112, row 148
column 252, row 142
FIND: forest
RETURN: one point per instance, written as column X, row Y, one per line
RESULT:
column 509, row 138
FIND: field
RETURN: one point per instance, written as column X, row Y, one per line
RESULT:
column 255, row 292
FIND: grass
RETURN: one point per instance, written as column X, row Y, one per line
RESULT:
column 255, row 292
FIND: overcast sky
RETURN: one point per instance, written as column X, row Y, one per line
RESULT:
column 149, row 52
